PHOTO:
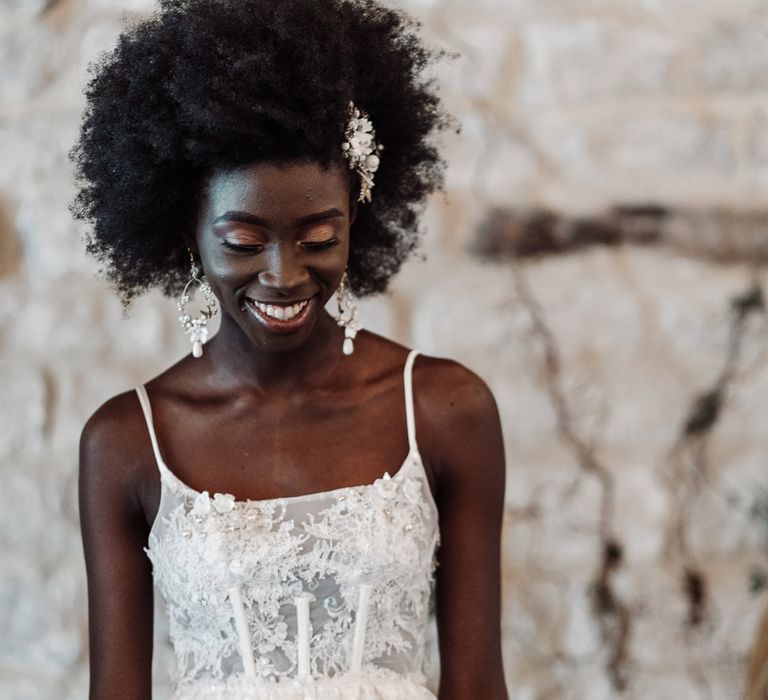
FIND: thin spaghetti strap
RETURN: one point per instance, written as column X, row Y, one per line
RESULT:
column 409, row 414
column 147, row 410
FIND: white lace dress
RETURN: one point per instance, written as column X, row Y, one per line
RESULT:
column 321, row 597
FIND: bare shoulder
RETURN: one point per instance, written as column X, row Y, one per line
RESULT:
column 112, row 424
column 115, row 450
column 451, row 391
column 458, row 420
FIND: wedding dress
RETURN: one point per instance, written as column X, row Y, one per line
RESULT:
column 322, row 596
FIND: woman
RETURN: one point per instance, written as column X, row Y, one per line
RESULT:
column 266, row 154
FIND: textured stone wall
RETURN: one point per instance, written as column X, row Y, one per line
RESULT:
column 631, row 379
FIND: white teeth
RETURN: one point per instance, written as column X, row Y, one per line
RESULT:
column 283, row 313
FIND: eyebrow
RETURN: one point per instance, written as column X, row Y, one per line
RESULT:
column 246, row 218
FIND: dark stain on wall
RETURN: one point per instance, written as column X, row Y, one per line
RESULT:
column 716, row 234
column 10, row 248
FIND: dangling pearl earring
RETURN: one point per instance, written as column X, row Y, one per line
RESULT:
column 347, row 315
column 197, row 328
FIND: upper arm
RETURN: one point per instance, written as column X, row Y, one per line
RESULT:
column 467, row 456
column 114, row 532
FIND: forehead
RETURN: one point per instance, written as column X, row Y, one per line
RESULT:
column 272, row 189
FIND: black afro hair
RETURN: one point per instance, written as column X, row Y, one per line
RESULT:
column 207, row 84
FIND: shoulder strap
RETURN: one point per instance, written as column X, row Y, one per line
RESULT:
column 147, row 410
column 409, row 413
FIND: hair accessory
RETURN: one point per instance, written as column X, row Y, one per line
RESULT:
column 197, row 328
column 361, row 150
column 347, row 317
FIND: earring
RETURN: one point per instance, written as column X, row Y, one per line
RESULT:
column 347, row 317
column 197, row 328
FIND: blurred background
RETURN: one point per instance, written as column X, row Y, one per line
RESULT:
column 598, row 258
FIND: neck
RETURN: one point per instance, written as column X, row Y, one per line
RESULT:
column 235, row 360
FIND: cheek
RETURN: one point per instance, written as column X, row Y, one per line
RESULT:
column 224, row 270
column 225, row 273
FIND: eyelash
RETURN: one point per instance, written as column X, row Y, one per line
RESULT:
column 321, row 245
column 252, row 248
column 239, row 248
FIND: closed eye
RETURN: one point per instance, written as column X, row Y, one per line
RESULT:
column 320, row 245
column 242, row 248
column 257, row 247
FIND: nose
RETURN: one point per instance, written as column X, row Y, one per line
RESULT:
column 283, row 269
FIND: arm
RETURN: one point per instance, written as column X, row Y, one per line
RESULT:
column 469, row 467
column 114, row 531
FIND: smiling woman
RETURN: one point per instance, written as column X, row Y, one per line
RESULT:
column 229, row 135
column 275, row 238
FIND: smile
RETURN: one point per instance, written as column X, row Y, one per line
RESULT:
column 280, row 311
column 280, row 317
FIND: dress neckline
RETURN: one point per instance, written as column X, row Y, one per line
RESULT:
column 167, row 475
column 413, row 456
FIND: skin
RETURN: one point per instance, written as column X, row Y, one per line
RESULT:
column 263, row 415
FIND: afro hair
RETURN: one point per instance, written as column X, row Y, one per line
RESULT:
column 208, row 84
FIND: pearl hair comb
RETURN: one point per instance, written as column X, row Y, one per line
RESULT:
column 361, row 150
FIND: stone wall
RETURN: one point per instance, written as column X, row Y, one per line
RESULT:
column 632, row 379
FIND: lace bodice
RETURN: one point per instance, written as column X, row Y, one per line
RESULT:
column 324, row 591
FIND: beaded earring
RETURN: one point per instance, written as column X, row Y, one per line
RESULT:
column 347, row 317
column 197, row 328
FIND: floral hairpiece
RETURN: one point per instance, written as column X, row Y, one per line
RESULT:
column 361, row 150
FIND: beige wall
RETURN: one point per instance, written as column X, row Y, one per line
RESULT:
column 596, row 357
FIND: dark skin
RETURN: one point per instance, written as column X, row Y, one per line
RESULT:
column 263, row 415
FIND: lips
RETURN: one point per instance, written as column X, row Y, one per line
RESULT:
column 277, row 325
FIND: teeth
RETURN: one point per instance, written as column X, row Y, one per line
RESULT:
column 283, row 313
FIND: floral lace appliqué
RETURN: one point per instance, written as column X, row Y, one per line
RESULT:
column 373, row 543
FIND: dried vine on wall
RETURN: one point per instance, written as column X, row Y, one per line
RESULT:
column 611, row 613
column 533, row 234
